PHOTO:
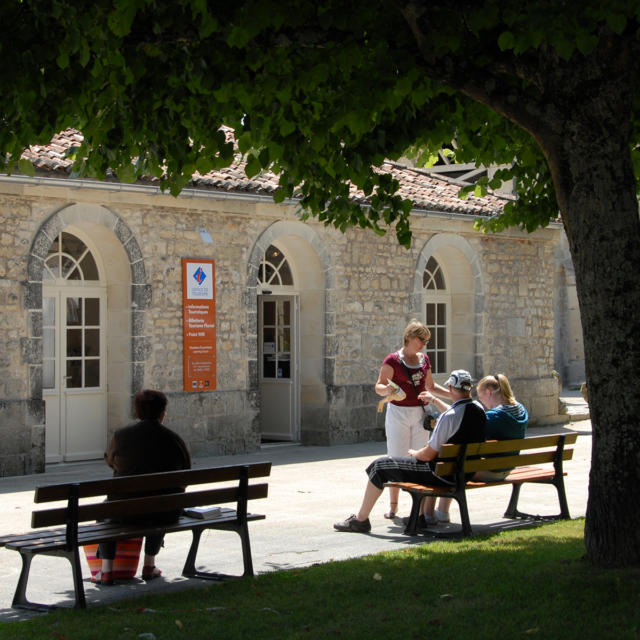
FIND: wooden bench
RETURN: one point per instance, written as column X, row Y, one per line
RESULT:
column 456, row 461
column 84, row 516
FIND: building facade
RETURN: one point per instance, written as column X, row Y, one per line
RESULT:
column 91, row 309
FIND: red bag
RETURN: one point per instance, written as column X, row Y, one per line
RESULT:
column 125, row 564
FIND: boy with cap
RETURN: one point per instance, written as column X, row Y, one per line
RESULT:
column 464, row 421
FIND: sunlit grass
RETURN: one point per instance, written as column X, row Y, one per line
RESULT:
column 524, row 583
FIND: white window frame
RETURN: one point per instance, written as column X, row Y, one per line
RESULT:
column 438, row 296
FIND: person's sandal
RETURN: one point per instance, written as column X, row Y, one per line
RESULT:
column 391, row 514
column 104, row 579
column 150, row 572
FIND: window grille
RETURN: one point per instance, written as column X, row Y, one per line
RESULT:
column 274, row 269
column 437, row 304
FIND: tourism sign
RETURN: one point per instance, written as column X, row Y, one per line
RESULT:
column 199, row 324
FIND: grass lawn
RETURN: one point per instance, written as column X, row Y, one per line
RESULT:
column 518, row 584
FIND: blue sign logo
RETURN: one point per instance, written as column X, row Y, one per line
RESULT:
column 200, row 275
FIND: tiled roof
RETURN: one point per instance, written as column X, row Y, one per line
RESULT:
column 427, row 191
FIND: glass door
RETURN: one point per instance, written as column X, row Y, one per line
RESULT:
column 74, row 373
column 277, row 352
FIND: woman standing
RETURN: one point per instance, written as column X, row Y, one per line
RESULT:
column 410, row 369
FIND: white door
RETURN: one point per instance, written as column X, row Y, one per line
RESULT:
column 74, row 374
column 278, row 354
column 73, row 360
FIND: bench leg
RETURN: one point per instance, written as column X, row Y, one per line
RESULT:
column 562, row 499
column 20, row 597
column 78, row 587
column 464, row 514
column 190, row 571
column 512, row 508
column 20, row 600
column 412, row 526
column 558, row 483
column 465, row 530
column 243, row 532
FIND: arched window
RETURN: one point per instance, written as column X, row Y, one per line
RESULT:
column 274, row 269
column 71, row 316
column 437, row 304
column 69, row 259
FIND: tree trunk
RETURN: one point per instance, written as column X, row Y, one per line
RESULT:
column 583, row 123
column 584, row 128
column 596, row 189
column 580, row 113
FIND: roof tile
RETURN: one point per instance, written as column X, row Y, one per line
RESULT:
column 427, row 191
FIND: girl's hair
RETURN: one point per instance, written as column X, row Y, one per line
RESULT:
column 498, row 382
column 415, row 329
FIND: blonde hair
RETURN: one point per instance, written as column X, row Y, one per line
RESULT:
column 415, row 329
column 498, row 382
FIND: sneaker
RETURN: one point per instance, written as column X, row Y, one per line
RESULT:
column 425, row 521
column 353, row 524
column 441, row 516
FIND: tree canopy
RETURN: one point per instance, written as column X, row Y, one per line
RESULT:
column 321, row 93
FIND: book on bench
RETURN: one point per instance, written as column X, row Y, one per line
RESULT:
column 203, row 512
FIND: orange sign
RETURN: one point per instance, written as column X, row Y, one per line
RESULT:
column 199, row 324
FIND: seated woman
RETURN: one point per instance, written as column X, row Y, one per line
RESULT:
column 507, row 419
column 146, row 446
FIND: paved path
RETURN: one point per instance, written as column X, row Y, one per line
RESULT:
column 309, row 489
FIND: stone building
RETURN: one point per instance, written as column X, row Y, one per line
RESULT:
column 91, row 309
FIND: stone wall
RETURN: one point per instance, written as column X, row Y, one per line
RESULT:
column 519, row 322
column 21, row 412
column 223, row 421
column 365, row 290
column 569, row 352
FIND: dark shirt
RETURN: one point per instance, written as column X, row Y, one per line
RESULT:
column 147, row 447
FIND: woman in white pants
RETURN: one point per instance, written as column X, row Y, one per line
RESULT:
column 410, row 369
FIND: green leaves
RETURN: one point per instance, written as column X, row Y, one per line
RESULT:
column 26, row 167
column 616, row 22
column 63, row 60
column 253, row 166
column 122, row 16
column 506, row 41
column 319, row 93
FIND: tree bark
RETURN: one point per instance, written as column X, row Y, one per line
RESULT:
column 603, row 229
column 580, row 113
column 596, row 190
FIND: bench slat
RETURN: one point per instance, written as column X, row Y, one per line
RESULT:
column 150, row 481
column 96, row 533
column 504, row 446
column 491, row 464
column 147, row 504
column 523, row 474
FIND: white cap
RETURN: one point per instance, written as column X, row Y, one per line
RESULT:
column 460, row 379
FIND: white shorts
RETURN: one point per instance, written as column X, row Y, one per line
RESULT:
column 404, row 430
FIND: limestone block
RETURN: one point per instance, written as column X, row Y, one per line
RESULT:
column 141, row 295
column 31, row 350
column 32, row 295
